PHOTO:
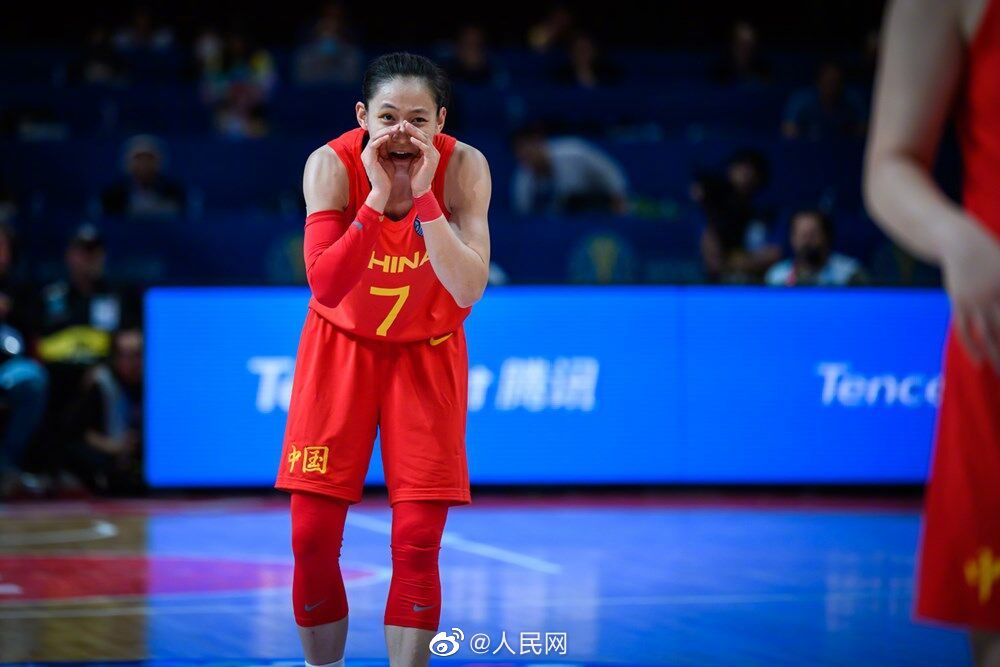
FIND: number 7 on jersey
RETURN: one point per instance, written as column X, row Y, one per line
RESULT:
column 401, row 294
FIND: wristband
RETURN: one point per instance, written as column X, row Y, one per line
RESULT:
column 369, row 216
column 427, row 207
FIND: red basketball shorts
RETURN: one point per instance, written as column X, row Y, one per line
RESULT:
column 345, row 387
column 958, row 577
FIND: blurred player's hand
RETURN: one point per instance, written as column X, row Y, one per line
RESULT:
column 377, row 164
column 971, row 264
column 424, row 167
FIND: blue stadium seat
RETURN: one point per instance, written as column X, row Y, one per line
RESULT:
column 664, row 123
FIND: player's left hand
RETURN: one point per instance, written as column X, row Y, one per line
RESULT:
column 423, row 168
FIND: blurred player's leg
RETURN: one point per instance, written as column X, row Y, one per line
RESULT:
column 413, row 609
column 986, row 649
column 318, row 594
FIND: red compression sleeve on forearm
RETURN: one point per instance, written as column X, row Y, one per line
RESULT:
column 336, row 251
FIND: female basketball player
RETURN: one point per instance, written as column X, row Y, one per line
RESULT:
column 397, row 251
column 939, row 55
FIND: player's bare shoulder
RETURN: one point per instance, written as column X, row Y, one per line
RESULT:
column 467, row 157
column 467, row 180
column 325, row 181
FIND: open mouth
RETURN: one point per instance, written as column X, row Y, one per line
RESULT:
column 402, row 155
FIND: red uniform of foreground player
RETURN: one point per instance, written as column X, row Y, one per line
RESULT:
column 941, row 56
column 397, row 251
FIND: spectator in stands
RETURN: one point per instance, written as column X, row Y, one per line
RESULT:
column 553, row 31
column 813, row 261
column 104, row 445
column 329, row 55
column 23, row 381
column 144, row 191
column 75, row 316
column 737, row 244
column 565, row 175
column 742, row 63
column 470, row 61
column 586, row 66
column 142, row 34
column 73, row 324
column 825, row 110
column 237, row 86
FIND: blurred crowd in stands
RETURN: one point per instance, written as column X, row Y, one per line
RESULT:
column 143, row 156
column 70, row 378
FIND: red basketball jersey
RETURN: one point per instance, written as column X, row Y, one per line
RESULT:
column 399, row 297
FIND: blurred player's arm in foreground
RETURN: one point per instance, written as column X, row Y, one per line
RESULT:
column 460, row 248
column 336, row 249
column 920, row 67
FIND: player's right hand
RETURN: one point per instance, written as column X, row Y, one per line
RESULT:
column 971, row 264
column 376, row 161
